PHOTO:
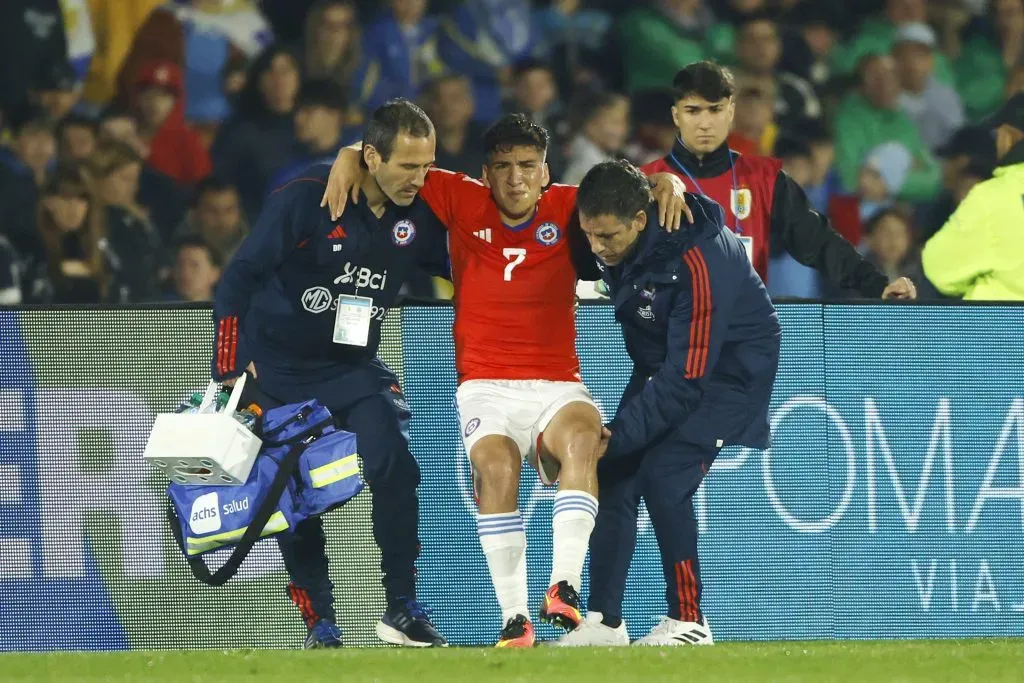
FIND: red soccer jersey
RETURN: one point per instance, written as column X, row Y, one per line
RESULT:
column 514, row 286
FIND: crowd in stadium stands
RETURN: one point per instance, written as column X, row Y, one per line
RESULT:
column 139, row 139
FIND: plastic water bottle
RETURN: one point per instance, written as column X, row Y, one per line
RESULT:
column 249, row 417
column 190, row 404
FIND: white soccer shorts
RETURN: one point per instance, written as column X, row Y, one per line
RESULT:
column 518, row 409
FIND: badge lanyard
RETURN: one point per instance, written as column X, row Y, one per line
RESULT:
column 738, row 229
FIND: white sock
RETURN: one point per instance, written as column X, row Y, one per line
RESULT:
column 504, row 544
column 571, row 524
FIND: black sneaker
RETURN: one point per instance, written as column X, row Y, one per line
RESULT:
column 407, row 623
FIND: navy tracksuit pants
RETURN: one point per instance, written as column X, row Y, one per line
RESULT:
column 367, row 401
column 665, row 477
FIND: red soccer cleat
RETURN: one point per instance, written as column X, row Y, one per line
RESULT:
column 561, row 606
column 518, row 632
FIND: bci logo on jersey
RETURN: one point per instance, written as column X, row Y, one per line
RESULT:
column 362, row 277
column 403, row 233
column 548, row 234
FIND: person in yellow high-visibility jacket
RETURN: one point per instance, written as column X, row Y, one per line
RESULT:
column 979, row 252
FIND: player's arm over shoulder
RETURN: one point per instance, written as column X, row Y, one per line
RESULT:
column 447, row 192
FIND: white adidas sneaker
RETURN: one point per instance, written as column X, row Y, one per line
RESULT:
column 591, row 632
column 674, row 632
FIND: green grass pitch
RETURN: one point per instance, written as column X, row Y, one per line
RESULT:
column 988, row 660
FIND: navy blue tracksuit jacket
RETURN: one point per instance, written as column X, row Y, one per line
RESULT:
column 702, row 334
column 704, row 339
column 275, row 305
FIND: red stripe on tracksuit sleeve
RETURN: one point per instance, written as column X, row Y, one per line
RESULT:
column 234, row 342
column 700, row 323
column 220, row 345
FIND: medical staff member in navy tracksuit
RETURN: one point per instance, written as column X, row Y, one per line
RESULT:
column 303, row 300
column 704, row 339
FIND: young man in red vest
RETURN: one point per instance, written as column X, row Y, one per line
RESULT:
column 761, row 202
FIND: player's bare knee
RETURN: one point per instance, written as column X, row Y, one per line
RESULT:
column 497, row 463
column 578, row 444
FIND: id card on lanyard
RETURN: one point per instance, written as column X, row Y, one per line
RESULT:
column 739, row 203
column 352, row 322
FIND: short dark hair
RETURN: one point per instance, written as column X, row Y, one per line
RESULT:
column 614, row 188
column 515, row 130
column 391, row 118
column 197, row 242
column 705, row 79
column 324, row 93
column 589, row 104
column 789, row 146
column 211, row 184
column 528, row 64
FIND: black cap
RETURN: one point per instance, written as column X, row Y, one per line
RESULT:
column 1011, row 113
column 56, row 76
column 972, row 141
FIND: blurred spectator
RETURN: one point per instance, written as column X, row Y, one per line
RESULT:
column 56, row 90
column 572, row 37
column 31, row 35
column 216, row 217
column 602, row 128
column 250, row 146
column 758, row 51
column 824, row 182
column 657, row 40
column 882, row 177
column 134, row 247
column 163, row 199
column 400, row 53
column 754, row 130
column 197, row 268
column 114, row 169
column 483, row 39
column 872, row 116
column 889, row 241
column 934, row 107
column 795, row 154
column 535, row 93
column 175, row 149
column 200, row 37
column 76, row 138
column 10, row 274
column 979, row 252
column 807, row 49
column 72, row 225
column 18, row 198
column 991, row 48
column 654, row 132
column 114, row 24
column 33, row 145
column 449, row 103
column 876, row 36
column 319, row 121
column 333, row 49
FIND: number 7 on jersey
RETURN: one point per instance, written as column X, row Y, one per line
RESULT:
column 516, row 255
